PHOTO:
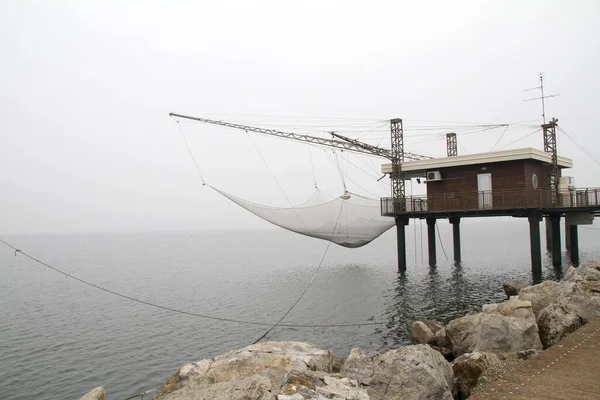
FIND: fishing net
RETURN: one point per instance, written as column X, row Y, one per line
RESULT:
column 349, row 220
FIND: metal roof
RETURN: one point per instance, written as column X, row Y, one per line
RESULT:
column 473, row 159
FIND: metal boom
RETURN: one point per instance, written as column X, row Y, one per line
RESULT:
column 345, row 143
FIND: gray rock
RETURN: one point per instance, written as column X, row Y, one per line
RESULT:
column 576, row 302
column 556, row 321
column 420, row 333
column 514, row 307
column 412, row 372
column 260, row 367
column 468, row 367
column 542, row 295
column 589, row 271
column 512, row 288
column 96, row 394
column 502, row 328
column 255, row 387
column 315, row 385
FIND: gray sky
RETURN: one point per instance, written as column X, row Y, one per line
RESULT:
column 86, row 143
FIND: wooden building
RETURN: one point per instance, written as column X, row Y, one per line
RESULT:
column 503, row 183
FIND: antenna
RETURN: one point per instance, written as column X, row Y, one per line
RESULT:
column 541, row 88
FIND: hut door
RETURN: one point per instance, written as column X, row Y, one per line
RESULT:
column 484, row 187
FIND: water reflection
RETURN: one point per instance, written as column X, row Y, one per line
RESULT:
column 399, row 313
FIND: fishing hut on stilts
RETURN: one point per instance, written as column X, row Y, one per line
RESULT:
column 522, row 183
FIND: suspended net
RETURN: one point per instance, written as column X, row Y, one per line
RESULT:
column 349, row 220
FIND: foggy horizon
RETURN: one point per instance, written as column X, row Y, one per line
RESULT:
column 87, row 144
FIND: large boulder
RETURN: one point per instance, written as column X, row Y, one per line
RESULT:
column 501, row 328
column 424, row 332
column 315, row 385
column 589, row 271
column 412, row 372
column 544, row 294
column 556, row 321
column 569, row 313
column 254, row 372
column 96, row 394
column 468, row 367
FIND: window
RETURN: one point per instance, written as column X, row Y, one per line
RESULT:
column 534, row 181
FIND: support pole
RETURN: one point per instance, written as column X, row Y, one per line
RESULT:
column 431, row 240
column 534, row 238
column 455, row 221
column 548, row 234
column 401, row 222
column 556, row 248
column 574, row 248
column 567, row 234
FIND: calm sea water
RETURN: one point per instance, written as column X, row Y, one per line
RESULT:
column 60, row 338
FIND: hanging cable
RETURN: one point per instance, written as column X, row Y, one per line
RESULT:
column 583, row 149
column 269, row 169
column 189, row 313
column 313, row 166
column 190, row 151
column 519, row 139
column 501, row 136
column 277, row 181
column 440, row 239
column 337, row 163
column 309, row 283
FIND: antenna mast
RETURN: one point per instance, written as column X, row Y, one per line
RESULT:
column 542, row 97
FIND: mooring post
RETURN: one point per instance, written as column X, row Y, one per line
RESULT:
column 455, row 221
column 431, row 240
column 534, row 238
column 401, row 222
column 556, row 248
column 548, row 234
column 574, row 248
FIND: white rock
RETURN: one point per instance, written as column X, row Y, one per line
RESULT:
column 261, row 367
column 412, row 372
column 96, row 394
column 420, row 333
column 542, row 295
column 502, row 328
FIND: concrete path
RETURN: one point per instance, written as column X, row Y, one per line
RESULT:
column 568, row 370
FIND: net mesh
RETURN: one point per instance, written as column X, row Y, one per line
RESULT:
column 349, row 220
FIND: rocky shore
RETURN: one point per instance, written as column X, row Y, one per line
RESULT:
column 446, row 361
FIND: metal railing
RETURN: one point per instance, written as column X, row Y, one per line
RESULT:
column 494, row 200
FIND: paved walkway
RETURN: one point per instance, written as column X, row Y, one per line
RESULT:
column 568, row 370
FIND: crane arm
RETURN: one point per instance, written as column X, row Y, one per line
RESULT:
column 345, row 144
column 368, row 147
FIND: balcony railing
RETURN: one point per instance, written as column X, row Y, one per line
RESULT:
column 497, row 200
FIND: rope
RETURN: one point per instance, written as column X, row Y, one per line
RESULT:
column 276, row 180
column 519, row 139
column 309, row 283
column 501, row 136
column 572, row 139
column 337, row 163
column 313, row 167
column 141, row 394
column 268, row 168
column 193, row 314
column 190, row 151
column 440, row 239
